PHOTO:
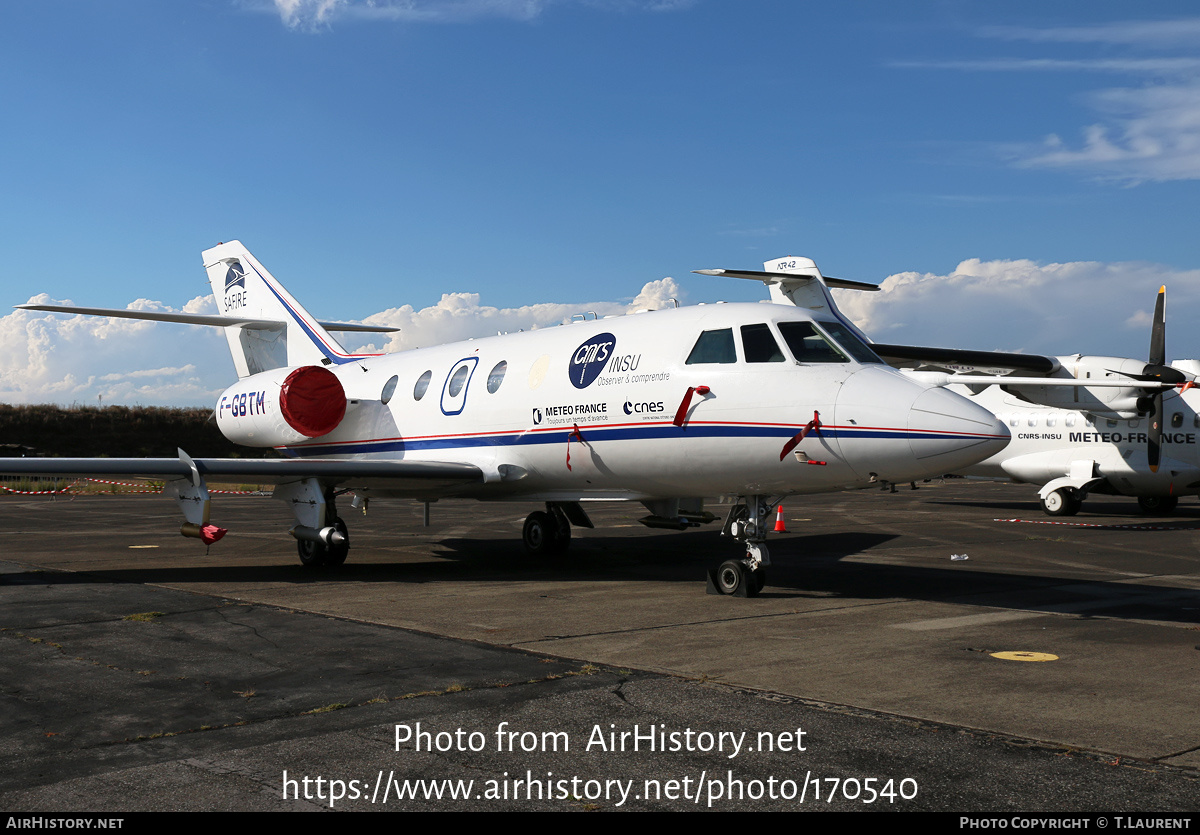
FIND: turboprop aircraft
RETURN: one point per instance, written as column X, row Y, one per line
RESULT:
column 1079, row 424
column 1130, row 429
column 664, row 408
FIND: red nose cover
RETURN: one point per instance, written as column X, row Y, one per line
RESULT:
column 312, row 400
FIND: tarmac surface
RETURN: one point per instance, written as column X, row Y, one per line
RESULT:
column 866, row 670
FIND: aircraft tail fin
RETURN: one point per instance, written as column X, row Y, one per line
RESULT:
column 285, row 334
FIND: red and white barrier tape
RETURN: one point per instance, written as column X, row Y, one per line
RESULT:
column 119, row 484
column 1100, row 525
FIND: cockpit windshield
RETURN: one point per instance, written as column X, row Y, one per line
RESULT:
column 831, row 342
column 849, row 342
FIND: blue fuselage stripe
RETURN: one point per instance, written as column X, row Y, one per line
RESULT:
column 590, row 434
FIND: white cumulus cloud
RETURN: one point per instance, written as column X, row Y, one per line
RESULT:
column 52, row 358
column 1019, row 305
column 320, row 14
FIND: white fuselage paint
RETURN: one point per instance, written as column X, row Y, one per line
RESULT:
column 1046, row 441
column 585, row 411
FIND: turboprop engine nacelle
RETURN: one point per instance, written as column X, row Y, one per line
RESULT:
column 1117, row 403
column 282, row 406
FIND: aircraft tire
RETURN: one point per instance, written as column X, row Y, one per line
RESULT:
column 760, row 579
column 1061, row 503
column 1158, row 505
column 732, row 577
column 540, row 534
column 311, row 553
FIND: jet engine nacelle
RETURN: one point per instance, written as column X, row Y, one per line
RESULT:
column 282, row 406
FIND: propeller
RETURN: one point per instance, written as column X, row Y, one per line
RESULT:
column 1157, row 371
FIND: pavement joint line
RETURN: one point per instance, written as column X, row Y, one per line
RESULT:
column 1066, row 749
column 714, row 621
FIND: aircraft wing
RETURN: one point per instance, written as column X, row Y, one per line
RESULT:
column 912, row 356
column 416, row 478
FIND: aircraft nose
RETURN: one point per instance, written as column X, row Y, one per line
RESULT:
column 949, row 432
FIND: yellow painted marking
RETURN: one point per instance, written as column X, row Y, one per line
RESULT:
column 1024, row 656
column 143, row 546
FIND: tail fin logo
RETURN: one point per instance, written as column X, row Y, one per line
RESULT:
column 236, row 277
column 235, row 287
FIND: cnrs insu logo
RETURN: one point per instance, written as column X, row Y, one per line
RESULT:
column 589, row 359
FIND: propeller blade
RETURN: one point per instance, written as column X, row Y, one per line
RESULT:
column 1154, row 436
column 1157, row 370
column 1161, row 374
column 1158, row 335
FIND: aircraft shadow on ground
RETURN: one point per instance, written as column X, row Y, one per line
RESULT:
column 1096, row 510
column 813, row 566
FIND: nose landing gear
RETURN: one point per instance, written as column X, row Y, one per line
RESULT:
column 748, row 524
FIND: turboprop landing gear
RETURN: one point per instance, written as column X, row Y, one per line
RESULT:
column 748, row 524
column 1158, row 505
column 1062, row 502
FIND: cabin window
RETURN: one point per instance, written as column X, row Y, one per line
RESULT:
column 1051, row 419
column 1033, row 420
column 389, row 388
column 1133, row 424
column 1014, row 421
column 422, row 385
column 713, row 346
column 458, row 380
column 1070, row 419
column 1196, row 421
column 808, row 344
column 1177, row 420
column 1111, row 423
column 850, row 343
column 496, row 377
column 759, row 345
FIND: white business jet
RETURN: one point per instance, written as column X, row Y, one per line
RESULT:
column 1079, row 424
column 665, row 407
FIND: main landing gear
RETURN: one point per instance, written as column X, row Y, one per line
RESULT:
column 331, row 550
column 1065, row 501
column 747, row 523
column 321, row 535
column 1158, row 505
column 547, row 533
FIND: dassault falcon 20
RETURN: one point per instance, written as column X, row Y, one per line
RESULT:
column 750, row 401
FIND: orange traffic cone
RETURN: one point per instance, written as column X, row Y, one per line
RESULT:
column 779, row 526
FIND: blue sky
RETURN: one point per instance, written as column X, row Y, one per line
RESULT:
column 517, row 152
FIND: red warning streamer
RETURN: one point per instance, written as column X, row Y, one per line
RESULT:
column 813, row 425
column 577, row 435
column 681, row 412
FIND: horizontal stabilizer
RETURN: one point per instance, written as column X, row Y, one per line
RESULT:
column 198, row 318
column 761, row 275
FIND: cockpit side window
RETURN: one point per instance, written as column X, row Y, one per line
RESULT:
column 714, row 346
column 808, row 344
column 849, row 342
column 759, row 345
